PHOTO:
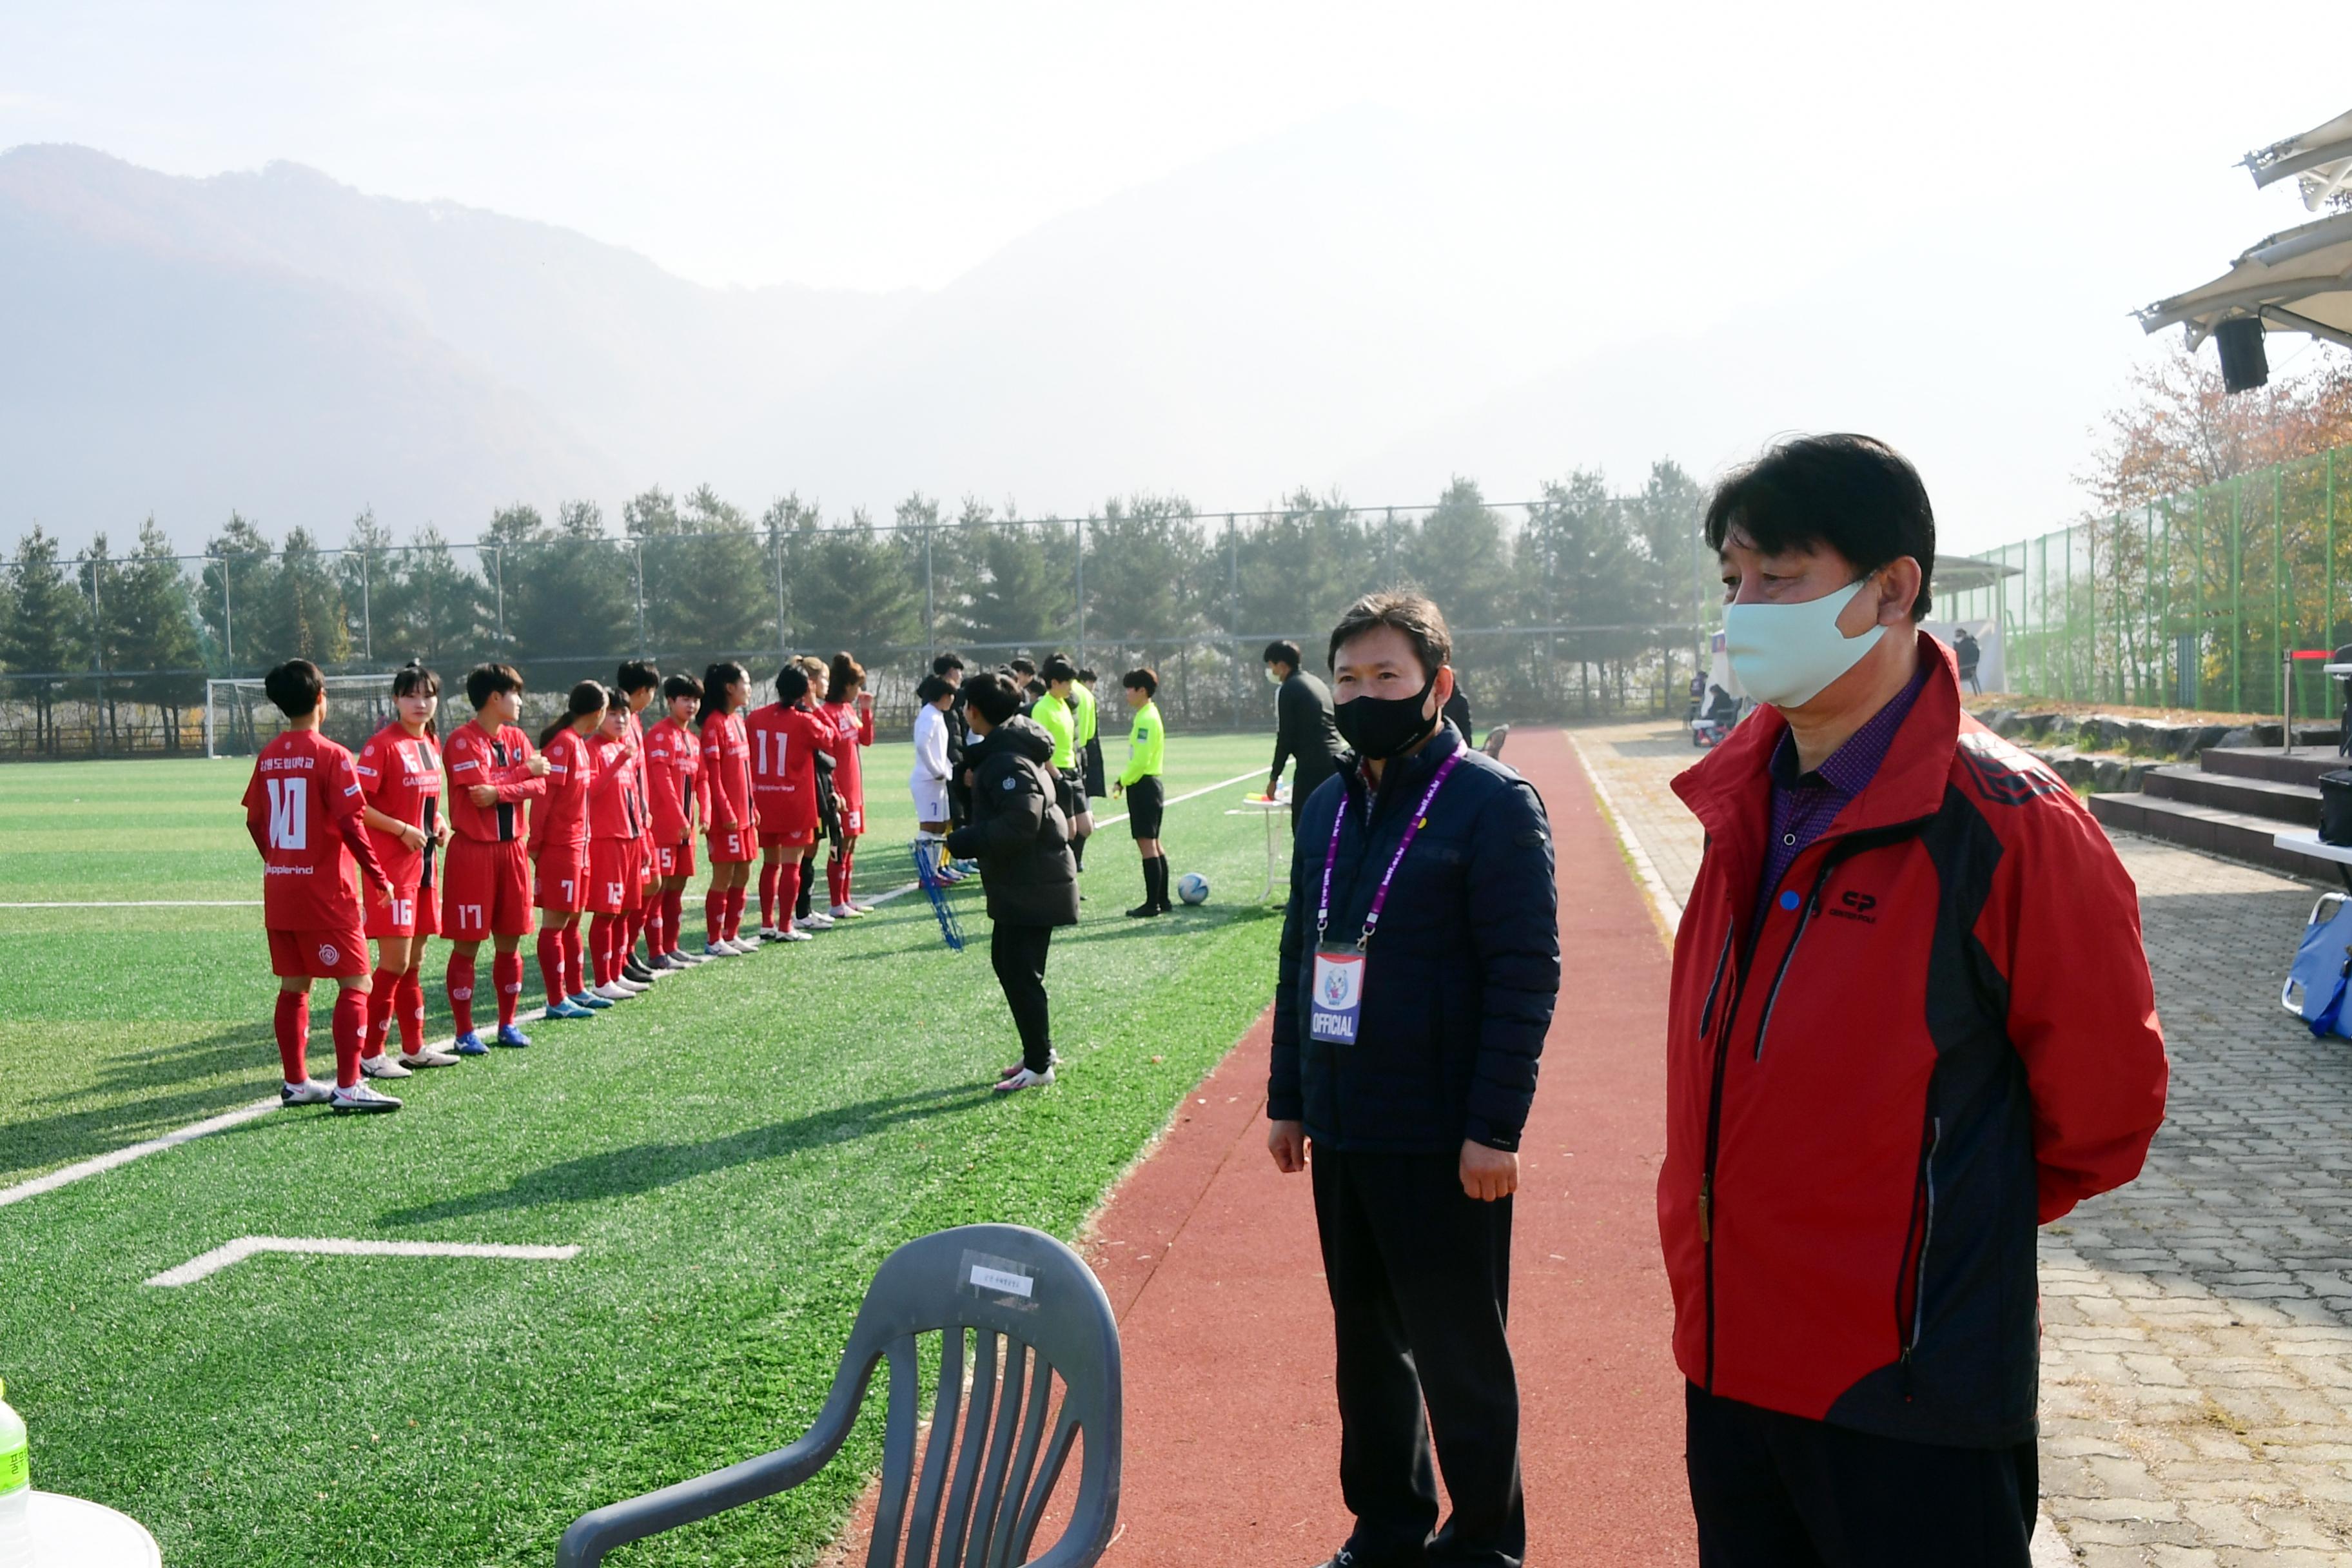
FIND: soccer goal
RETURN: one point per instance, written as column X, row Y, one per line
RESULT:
column 239, row 718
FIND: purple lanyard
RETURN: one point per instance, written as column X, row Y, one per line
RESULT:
column 1380, row 894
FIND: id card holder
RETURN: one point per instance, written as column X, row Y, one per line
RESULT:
column 1338, row 1004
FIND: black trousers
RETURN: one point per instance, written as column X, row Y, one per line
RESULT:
column 1018, row 953
column 1420, row 1274
column 1773, row 1491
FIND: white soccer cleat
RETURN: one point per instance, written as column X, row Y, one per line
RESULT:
column 380, row 1065
column 796, row 935
column 614, row 991
column 818, row 921
column 309, row 1092
column 362, row 1098
column 426, row 1058
column 1023, row 1079
column 845, row 912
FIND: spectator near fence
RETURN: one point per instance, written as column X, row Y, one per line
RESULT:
column 1407, row 1061
column 1911, row 1017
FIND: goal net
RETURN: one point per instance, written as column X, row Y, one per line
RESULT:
column 239, row 718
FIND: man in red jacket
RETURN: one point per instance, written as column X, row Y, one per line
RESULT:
column 1911, row 1020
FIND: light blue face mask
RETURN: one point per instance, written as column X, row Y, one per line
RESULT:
column 1788, row 655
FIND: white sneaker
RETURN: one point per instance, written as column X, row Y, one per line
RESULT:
column 743, row 945
column 426, row 1058
column 380, row 1065
column 1023, row 1079
column 718, row 949
column 845, row 912
column 1053, row 1059
column 771, row 933
column 818, row 921
column 360, row 1098
column 614, row 991
column 308, row 1092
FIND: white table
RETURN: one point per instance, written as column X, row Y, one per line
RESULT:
column 2305, row 840
column 74, row 1532
column 1265, row 808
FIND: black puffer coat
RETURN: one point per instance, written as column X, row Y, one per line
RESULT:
column 1018, row 832
column 1460, row 979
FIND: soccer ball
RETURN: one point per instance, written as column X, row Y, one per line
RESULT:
column 1192, row 887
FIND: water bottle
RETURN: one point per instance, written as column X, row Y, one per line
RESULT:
column 15, row 1490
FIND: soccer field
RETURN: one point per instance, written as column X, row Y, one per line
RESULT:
column 732, row 1154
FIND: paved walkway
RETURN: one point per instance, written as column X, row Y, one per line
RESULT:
column 1209, row 1255
column 2197, row 1352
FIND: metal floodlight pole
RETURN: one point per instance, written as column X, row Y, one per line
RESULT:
column 2237, row 596
column 1081, row 638
column 930, row 633
column 2278, row 578
column 367, row 612
column 638, row 550
column 499, row 571
column 776, row 560
column 2328, row 606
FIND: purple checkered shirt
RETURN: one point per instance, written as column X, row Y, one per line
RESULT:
column 1804, row 805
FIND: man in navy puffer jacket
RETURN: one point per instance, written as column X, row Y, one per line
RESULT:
column 1405, row 1041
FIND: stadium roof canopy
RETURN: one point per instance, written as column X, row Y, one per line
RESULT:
column 1959, row 573
column 2319, row 160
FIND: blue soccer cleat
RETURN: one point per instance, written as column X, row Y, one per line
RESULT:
column 511, row 1036
column 589, row 1001
column 469, row 1043
column 560, row 1010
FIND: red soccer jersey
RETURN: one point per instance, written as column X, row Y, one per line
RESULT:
column 499, row 760
column 674, row 779
column 785, row 745
column 302, row 801
column 562, row 817
column 400, row 775
column 852, row 727
column 616, row 807
column 726, row 770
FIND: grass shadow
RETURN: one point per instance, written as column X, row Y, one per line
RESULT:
column 648, row 1167
column 141, row 1095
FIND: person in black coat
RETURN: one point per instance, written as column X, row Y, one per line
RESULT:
column 1405, row 1052
column 1020, row 834
column 1302, row 727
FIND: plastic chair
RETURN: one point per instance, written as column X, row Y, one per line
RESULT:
column 1036, row 1309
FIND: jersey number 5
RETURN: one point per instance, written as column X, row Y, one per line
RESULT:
column 289, row 813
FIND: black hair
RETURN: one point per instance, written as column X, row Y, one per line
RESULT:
column 1145, row 681
column 678, row 686
column 791, row 684
column 844, row 676
column 1022, row 668
column 485, row 681
column 295, row 686
column 946, row 662
column 1034, row 687
column 1059, row 668
column 1415, row 615
column 588, row 697
column 992, row 697
column 413, row 679
column 715, row 680
column 1282, row 651
column 1086, row 677
column 1851, row 493
column 636, row 675
column 932, row 688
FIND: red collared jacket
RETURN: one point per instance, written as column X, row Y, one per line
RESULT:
column 1941, row 1033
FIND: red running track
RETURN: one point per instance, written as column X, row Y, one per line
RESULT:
column 1209, row 1255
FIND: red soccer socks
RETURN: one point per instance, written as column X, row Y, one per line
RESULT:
column 293, row 1027
column 351, row 1031
column 461, row 993
column 506, row 973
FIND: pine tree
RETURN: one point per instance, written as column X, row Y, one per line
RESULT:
column 46, row 633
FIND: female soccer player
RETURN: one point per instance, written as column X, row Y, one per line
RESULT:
column 486, row 880
column 558, row 849
column 616, row 822
column 1146, row 755
column 929, row 781
column 637, row 680
column 786, row 736
column 303, row 809
column 679, row 796
column 400, row 780
column 729, row 831
column 850, row 708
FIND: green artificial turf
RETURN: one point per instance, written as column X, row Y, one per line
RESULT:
column 734, row 1153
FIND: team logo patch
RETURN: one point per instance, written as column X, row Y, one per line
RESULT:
column 327, row 953
column 1008, row 783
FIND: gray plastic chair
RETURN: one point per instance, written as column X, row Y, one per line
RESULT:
column 1036, row 1309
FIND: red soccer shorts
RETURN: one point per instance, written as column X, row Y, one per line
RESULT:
column 729, row 846
column 852, row 820
column 317, row 955
column 403, row 913
column 485, row 891
column 562, row 882
column 796, row 840
column 613, row 870
column 644, row 845
column 674, row 859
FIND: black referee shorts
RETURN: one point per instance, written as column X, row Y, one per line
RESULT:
column 1145, row 802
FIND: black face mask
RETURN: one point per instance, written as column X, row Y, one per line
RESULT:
column 1379, row 727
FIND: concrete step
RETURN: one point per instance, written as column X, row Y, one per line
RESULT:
column 2289, row 804
column 2235, row 833
column 2304, row 766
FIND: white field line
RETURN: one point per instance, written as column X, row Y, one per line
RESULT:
column 67, row 1174
column 1661, row 898
column 145, row 904
column 1103, row 822
column 246, row 1246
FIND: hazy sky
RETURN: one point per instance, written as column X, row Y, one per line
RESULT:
column 1618, row 174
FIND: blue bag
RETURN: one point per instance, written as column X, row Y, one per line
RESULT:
column 2322, row 972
